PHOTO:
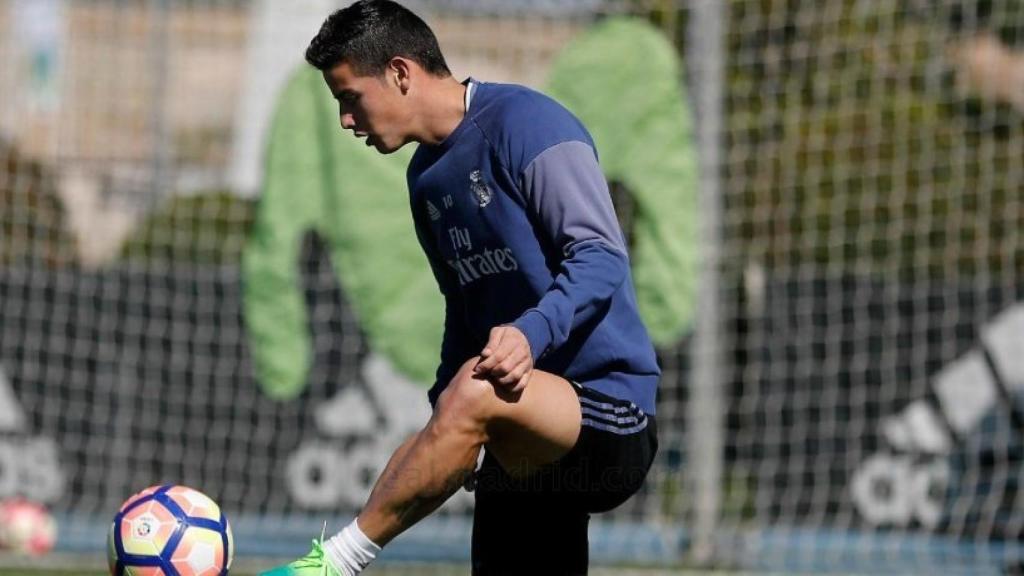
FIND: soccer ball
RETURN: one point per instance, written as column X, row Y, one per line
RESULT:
column 170, row 531
column 26, row 528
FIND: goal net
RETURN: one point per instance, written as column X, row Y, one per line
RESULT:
column 872, row 239
column 203, row 282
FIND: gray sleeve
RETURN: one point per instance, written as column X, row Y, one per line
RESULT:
column 568, row 195
column 566, row 189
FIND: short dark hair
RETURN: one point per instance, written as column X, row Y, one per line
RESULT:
column 368, row 34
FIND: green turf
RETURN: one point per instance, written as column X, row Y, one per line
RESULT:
column 41, row 572
column 389, row 570
column 28, row 572
column 71, row 572
column 89, row 565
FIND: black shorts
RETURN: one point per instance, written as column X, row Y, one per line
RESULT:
column 538, row 524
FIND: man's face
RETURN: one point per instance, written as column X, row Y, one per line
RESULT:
column 372, row 107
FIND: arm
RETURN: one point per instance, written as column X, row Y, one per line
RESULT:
column 567, row 193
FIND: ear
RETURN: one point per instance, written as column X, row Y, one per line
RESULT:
column 399, row 72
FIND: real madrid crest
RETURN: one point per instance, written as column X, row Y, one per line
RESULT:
column 479, row 188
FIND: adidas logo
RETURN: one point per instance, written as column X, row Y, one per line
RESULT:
column 907, row 480
column 29, row 465
column 432, row 210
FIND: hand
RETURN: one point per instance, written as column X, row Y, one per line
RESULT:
column 506, row 359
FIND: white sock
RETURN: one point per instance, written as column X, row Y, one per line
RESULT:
column 350, row 551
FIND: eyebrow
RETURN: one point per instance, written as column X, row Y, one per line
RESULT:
column 343, row 93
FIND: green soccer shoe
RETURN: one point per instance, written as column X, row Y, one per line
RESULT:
column 312, row 564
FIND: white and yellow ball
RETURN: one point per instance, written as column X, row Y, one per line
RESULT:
column 170, row 531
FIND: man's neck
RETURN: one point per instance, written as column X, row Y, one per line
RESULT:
column 444, row 109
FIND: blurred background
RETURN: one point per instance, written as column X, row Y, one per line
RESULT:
column 204, row 282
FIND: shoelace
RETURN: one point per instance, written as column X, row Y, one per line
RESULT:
column 315, row 558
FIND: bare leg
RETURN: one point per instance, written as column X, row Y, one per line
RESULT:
column 527, row 430
column 417, row 480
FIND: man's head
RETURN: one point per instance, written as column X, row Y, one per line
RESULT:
column 369, row 54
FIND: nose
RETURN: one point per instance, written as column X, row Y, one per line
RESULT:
column 347, row 121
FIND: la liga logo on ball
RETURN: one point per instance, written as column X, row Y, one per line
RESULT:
column 170, row 531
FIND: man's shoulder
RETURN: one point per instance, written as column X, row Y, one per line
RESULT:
column 503, row 94
column 503, row 104
column 522, row 121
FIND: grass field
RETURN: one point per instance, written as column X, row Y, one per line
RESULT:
column 91, row 567
column 385, row 572
column 373, row 571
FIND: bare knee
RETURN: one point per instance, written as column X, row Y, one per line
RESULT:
column 466, row 403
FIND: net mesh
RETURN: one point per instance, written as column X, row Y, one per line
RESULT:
column 873, row 239
column 134, row 145
column 869, row 265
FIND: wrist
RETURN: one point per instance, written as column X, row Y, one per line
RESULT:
column 534, row 327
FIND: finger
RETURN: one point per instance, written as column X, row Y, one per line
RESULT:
column 511, row 365
column 506, row 361
column 516, row 372
column 489, row 363
column 489, row 357
column 522, row 383
column 507, row 380
column 493, row 341
column 506, row 357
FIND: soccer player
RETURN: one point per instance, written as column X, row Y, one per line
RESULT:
column 545, row 363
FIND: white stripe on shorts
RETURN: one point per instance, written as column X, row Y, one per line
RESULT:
column 614, row 429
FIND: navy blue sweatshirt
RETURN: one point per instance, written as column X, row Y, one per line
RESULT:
column 515, row 217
